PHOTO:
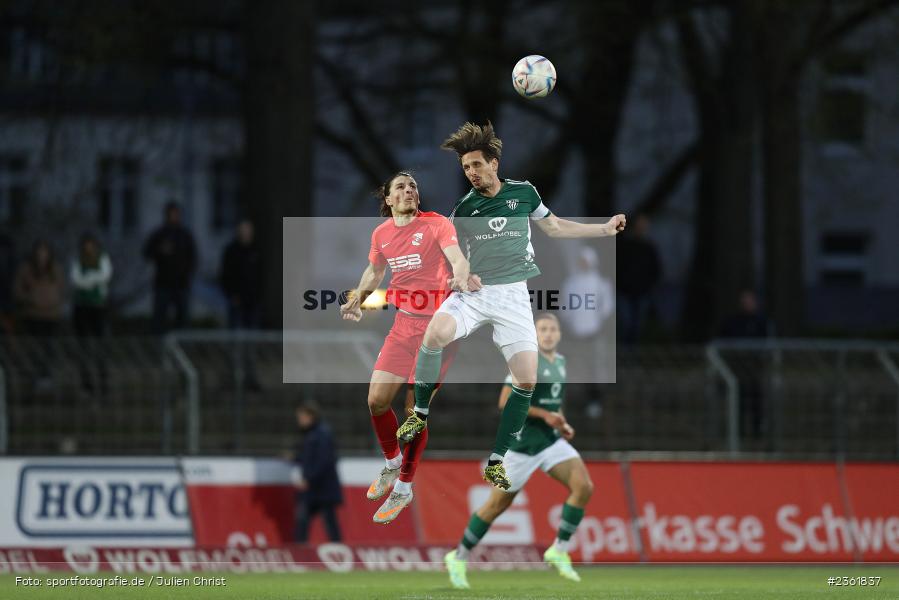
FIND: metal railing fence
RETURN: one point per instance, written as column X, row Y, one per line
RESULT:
column 220, row 392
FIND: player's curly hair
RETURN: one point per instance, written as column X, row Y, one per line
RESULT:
column 384, row 190
column 471, row 137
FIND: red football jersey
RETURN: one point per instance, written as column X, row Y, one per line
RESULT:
column 417, row 263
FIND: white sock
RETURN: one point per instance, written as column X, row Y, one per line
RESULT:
column 396, row 462
column 402, row 487
column 462, row 552
column 422, row 411
column 495, row 456
column 562, row 545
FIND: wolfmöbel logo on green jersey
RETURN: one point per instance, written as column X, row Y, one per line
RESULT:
column 498, row 223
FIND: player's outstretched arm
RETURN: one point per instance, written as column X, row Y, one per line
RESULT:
column 369, row 282
column 460, row 266
column 566, row 429
column 555, row 227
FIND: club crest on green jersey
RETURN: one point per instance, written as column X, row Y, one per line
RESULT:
column 512, row 203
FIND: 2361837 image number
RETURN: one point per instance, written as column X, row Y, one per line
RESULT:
column 853, row 581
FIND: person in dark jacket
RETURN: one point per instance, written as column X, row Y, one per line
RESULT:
column 241, row 278
column 639, row 271
column 750, row 322
column 319, row 490
column 172, row 250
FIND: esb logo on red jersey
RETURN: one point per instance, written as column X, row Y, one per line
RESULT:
column 408, row 262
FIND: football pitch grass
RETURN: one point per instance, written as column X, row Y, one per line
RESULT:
column 672, row 582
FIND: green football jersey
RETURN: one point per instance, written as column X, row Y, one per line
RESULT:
column 495, row 232
column 548, row 395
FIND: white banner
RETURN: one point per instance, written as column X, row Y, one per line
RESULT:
column 49, row 502
column 126, row 502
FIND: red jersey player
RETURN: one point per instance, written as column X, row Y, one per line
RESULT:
column 426, row 265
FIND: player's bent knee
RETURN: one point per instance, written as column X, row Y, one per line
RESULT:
column 440, row 332
column 583, row 490
column 437, row 339
column 378, row 404
column 588, row 489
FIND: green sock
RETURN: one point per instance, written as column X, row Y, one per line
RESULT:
column 477, row 528
column 571, row 517
column 515, row 412
column 427, row 370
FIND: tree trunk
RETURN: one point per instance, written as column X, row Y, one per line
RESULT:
column 699, row 301
column 782, row 190
column 722, row 262
column 484, row 77
column 279, row 120
column 782, row 44
column 609, row 33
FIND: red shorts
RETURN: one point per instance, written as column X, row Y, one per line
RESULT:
column 400, row 349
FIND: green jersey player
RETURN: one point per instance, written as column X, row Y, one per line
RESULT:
column 542, row 444
column 493, row 222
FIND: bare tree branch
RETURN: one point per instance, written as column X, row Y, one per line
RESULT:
column 362, row 122
column 347, row 145
column 668, row 180
column 842, row 27
column 702, row 77
column 205, row 66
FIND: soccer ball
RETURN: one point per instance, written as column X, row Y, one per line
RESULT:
column 534, row 76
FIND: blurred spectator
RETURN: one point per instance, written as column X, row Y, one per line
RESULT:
column 7, row 275
column 241, row 278
column 594, row 293
column 749, row 322
column 639, row 271
column 596, row 300
column 90, row 273
column 38, row 290
column 172, row 250
column 319, row 490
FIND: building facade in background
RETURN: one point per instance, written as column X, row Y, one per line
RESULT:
column 104, row 152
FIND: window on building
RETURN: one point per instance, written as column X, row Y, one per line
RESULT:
column 227, row 186
column 118, row 190
column 30, row 57
column 13, row 189
column 840, row 113
column 844, row 256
